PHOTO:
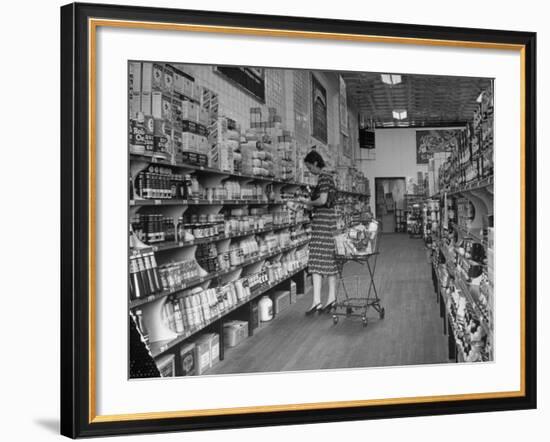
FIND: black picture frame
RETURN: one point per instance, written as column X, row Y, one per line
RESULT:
column 77, row 251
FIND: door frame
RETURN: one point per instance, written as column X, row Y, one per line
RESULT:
column 376, row 178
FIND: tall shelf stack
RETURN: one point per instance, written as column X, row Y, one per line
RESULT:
column 463, row 248
column 210, row 230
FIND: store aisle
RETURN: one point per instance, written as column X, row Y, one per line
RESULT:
column 411, row 332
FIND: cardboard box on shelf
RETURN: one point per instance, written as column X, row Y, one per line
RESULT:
column 281, row 300
column 147, row 104
column 190, row 111
column 166, row 365
column 221, row 157
column 161, row 106
column 162, row 136
column 149, row 125
column 178, row 80
column 255, row 315
column 214, row 348
column 168, row 79
column 234, row 332
column 134, row 69
column 151, row 77
column 135, row 105
column 202, row 355
column 293, row 292
column 187, row 357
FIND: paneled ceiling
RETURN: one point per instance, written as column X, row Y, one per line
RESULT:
column 428, row 99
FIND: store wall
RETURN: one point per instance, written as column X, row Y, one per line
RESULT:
column 395, row 156
column 288, row 91
column 235, row 103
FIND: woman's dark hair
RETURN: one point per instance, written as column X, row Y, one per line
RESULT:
column 314, row 158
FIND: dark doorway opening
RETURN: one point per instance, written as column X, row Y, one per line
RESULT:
column 389, row 197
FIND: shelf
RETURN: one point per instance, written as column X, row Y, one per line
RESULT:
column 162, row 247
column 158, row 348
column 474, row 185
column 138, row 302
column 466, row 232
column 464, row 288
column 210, row 170
column 178, row 202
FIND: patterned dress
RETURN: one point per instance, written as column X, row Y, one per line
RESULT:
column 323, row 227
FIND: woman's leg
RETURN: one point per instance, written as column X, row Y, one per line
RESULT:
column 317, row 284
column 331, row 289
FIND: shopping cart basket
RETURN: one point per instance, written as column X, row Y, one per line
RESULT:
column 356, row 295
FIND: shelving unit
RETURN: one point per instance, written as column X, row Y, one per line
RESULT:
column 161, row 347
column 174, row 208
column 211, row 276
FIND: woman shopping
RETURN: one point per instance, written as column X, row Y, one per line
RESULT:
column 321, row 248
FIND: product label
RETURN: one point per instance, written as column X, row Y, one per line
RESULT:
column 188, row 363
column 157, row 76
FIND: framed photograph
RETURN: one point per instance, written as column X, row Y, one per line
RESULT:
column 216, row 269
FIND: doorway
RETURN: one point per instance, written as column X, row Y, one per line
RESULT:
column 389, row 200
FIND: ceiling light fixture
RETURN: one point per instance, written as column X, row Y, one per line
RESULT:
column 391, row 79
column 399, row 114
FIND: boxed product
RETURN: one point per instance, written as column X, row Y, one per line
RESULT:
column 137, row 137
column 188, row 86
column 189, row 141
column 149, row 126
column 135, row 105
column 293, row 292
column 134, row 69
column 187, row 356
column 214, row 340
column 221, row 157
column 166, row 365
column 161, row 106
column 190, row 111
column 254, row 315
column 177, row 141
column 202, row 355
column 162, row 136
column 281, row 300
column 146, row 103
column 178, row 80
column 168, row 79
column 234, row 332
column 152, row 77
column 177, row 114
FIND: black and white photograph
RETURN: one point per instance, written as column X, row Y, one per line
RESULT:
column 283, row 220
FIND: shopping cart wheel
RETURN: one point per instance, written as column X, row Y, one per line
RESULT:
column 335, row 319
column 365, row 321
column 382, row 313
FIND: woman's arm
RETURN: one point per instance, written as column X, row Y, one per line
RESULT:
column 319, row 202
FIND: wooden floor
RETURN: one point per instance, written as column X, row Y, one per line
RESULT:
column 410, row 333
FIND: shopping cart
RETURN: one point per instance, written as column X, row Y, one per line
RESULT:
column 356, row 295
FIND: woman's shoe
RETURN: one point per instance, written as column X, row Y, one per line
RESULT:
column 313, row 309
column 327, row 308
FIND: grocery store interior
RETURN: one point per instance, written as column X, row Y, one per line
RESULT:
column 289, row 219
